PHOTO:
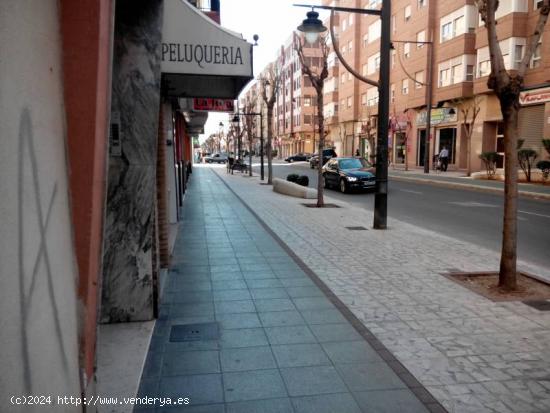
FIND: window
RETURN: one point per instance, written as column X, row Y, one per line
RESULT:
column 350, row 20
column 538, row 4
column 364, row 99
column 421, row 3
column 393, row 25
column 307, row 101
column 469, row 73
column 349, row 75
column 375, row 30
column 349, row 102
column 350, row 46
column 377, row 62
column 344, row 25
column 343, row 78
column 407, row 13
column 407, row 50
column 393, row 54
column 420, row 37
column 446, row 31
column 444, row 78
column 365, row 70
column 419, row 80
column 307, row 119
column 518, row 52
column 392, row 93
column 457, row 73
column 343, row 103
column 535, row 60
column 365, row 40
column 484, row 68
column 405, row 87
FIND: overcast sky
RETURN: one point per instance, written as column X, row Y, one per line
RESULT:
column 273, row 21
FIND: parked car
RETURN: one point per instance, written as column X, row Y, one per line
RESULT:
column 216, row 158
column 298, row 157
column 327, row 154
column 348, row 174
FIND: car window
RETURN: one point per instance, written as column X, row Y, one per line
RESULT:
column 352, row 163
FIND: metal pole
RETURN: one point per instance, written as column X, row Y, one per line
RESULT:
column 381, row 195
column 429, row 86
column 261, row 144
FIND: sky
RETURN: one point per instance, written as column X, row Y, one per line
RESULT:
column 273, row 21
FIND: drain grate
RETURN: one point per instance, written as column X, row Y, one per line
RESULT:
column 541, row 305
column 357, row 228
column 194, row 332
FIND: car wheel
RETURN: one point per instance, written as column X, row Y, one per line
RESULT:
column 327, row 186
column 343, row 186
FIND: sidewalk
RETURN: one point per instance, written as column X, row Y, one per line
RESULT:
column 472, row 354
column 245, row 326
column 460, row 180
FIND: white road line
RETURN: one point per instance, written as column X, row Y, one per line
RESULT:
column 533, row 213
column 412, row 192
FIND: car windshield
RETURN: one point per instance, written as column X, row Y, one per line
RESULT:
column 353, row 163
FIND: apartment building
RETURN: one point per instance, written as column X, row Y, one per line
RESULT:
column 456, row 53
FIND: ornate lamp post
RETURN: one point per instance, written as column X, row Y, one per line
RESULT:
column 312, row 26
column 236, row 122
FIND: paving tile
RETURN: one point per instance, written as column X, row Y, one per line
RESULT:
column 289, row 335
column 250, row 358
column 369, row 376
column 258, row 275
column 302, row 281
column 324, row 316
column 350, row 352
column 193, row 309
column 389, row 401
column 261, row 293
column 148, row 387
column 241, row 320
column 326, row 403
column 201, row 389
column 189, row 297
column 153, row 364
column 200, row 345
column 261, row 406
column 275, row 304
column 307, row 291
column 305, row 381
column 297, row 355
column 237, row 284
column 247, row 337
column 264, row 283
column 226, row 276
column 334, row 332
column 281, row 318
column 237, row 306
column 190, row 362
column 232, row 295
column 208, row 408
column 312, row 303
column 253, row 385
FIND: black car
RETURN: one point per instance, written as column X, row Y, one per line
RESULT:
column 349, row 174
column 327, row 154
column 298, row 157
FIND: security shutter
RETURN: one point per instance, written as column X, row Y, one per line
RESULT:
column 531, row 126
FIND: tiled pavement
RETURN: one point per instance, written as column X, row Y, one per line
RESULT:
column 472, row 354
column 282, row 345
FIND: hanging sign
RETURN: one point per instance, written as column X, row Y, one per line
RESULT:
column 534, row 97
column 214, row 105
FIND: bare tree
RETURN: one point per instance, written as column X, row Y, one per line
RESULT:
column 271, row 79
column 507, row 87
column 249, row 126
column 469, row 109
column 317, row 79
column 368, row 126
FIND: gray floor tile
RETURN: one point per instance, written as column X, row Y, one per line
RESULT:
column 231, row 295
column 248, row 337
column 229, row 285
column 258, row 275
column 326, row 403
column 275, row 304
column 369, row 376
column 335, row 332
column 153, row 364
column 249, row 358
column 148, row 387
column 261, row 406
column 241, row 320
column 312, row 303
column 389, row 401
column 306, row 381
column 351, row 352
column 281, row 318
column 307, row 291
column 325, row 316
column 190, row 287
column 201, row 389
column 289, row 273
column 205, row 408
column 226, row 276
column 189, row 297
column 253, row 385
column 261, row 293
column 303, row 281
column 290, row 335
column 190, row 362
column 264, row 283
column 174, row 347
column 193, row 309
column 237, row 306
column 297, row 355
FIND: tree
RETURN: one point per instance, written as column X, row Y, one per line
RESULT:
column 507, row 87
column 272, row 78
column 368, row 127
column 317, row 79
column 470, row 111
column 249, row 126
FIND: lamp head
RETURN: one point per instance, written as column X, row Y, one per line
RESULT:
column 235, row 121
column 312, row 26
column 255, row 38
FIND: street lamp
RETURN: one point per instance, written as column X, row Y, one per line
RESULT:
column 312, row 26
column 220, row 137
column 236, row 121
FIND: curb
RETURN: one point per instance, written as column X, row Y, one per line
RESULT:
column 475, row 188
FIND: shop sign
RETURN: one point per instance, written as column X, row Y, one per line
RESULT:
column 534, row 97
column 439, row 115
column 214, row 105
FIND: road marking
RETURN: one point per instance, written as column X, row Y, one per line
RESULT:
column 471, row 204
column 411, row 192
column 533, row 213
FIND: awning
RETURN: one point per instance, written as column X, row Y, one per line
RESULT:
column 199, row 57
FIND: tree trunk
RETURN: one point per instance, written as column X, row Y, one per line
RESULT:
column 508, row 259
column 320, row 183
column 469, row 148
column 250, row 157
column 269, row 142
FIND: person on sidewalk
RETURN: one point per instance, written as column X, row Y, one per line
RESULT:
column 444, row 158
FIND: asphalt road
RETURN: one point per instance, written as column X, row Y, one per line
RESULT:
column 470, row 216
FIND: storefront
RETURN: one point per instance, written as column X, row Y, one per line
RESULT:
column 444, row 122
column 534, row 119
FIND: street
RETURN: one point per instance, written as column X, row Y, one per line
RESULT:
column 465, row 215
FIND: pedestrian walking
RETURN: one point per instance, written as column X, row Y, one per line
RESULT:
column 444, row 158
